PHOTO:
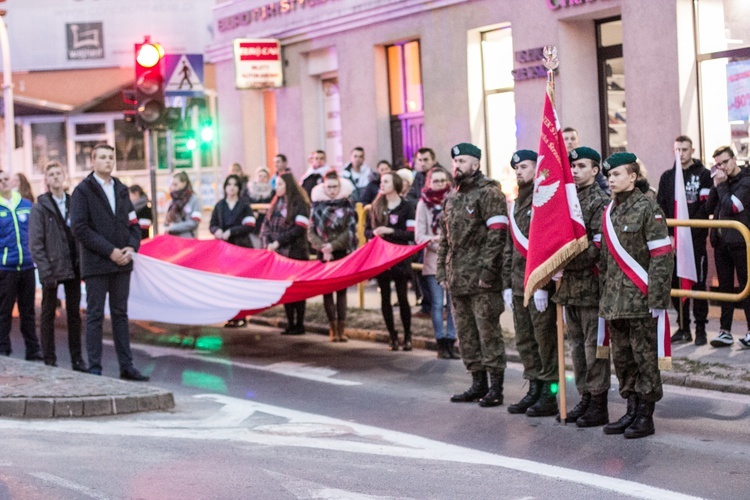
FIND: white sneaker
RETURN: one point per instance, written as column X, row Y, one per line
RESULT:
column 745, row 343
column 724, row 339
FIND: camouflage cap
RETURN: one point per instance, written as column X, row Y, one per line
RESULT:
column 522, row 155
column 466, row 148
column 584, row 153
column 618, row 160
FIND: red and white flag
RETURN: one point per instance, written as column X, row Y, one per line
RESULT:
column 557, row 232
column 683, row 239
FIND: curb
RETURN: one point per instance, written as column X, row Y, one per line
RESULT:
column 95, row 406
column 668, row 377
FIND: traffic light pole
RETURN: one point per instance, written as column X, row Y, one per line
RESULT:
column 152, row 176
column 10, row 122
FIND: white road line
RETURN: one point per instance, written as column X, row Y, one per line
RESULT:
column 309, row 430
column 59, row 481
column 305, row 490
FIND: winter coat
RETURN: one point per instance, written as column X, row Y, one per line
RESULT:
column 292, row 237
column 14, row 234
column 189, row 220
column 51, row 240
column 424, row 233
column 730, row 200
column 359, row 180
column 239, row 220
column 698, row 184
column 401, row 220
column 343, row 235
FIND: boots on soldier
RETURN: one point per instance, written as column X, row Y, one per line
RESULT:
column 407, row 341
column 451, row 345
column 643, row 425
column 578, row 409
column 626, row 420
column 341, row 331
column 531, row 397
column 494, row 396
column 597, row 413
column 477, row 390
column 333, row 335
column 546, row 405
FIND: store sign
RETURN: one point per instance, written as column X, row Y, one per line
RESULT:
column 265, row 12
column 559, row 4
column 529, row 72
column 738, row 90
column 257, row 63
column 85, row 41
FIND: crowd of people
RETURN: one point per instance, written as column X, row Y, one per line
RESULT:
column 473, row 263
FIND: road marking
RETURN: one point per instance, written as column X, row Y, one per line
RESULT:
column 349, row 437
column 304, row 490
column 59, row 481
column 287, row 368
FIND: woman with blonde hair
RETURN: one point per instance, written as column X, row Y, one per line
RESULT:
column 20, row 183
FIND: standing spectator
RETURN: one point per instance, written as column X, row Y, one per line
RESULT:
column 392, row 218
column 259, row 190
column 280, row 167
column 285, row 232
column 357, row 172
column 473, row 231
column 16, row 270
column 698, row 183
column 237, row 170
column 728, row 200
column 314, row 175
column 424, row 160
column 20, row 183
column 373, row 188
column 142, row 209
column 55, row 253
column 407, row 178
column 333, row 233
column 429, row 215
column 184, row 212
column 104, row 222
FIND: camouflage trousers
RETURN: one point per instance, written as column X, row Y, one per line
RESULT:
column 536, row 339
column 592, row 374
column 477, row 320
column 635, row 356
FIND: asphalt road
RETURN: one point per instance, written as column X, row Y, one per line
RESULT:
column 260, row 415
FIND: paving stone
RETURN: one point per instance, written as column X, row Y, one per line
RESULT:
column 124, row 404
column 166, row 401
column 40, row 408
column 94, row 407
column 12, row 407
column 148, row 403
column 68, row 408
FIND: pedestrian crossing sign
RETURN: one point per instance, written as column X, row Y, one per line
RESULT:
column 184, row 75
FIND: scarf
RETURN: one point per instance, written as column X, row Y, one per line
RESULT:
column 180, row 198
column 260, row 193
column 433, row 199
column 140, row 203
column 330, row 218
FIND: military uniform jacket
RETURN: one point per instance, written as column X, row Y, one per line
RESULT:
column 639, row 225
column 474, row 228
column 579, row 285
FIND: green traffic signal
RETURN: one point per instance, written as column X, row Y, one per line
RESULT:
column 191, row 144
column 207, row 133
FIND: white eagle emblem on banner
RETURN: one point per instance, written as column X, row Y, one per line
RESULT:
column 543, row 193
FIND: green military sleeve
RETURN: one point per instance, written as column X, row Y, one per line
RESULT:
column 590, row 257
column 494, row 212
column 661, row 264
column 440, row 274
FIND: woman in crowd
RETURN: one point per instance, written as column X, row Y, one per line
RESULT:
column 333, row 233
column 392, row 219
column 20, row 183
column 184, row 212
column 285, row 231
column 373, row 188
column 259, row 191
column 429, row 212
column 142, row 209
column 231, row 221
column 236, row 169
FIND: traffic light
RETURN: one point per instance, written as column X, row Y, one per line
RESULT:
column 207, row 133
column 149, row 84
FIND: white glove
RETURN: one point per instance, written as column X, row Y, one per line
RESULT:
column 508, row 298
column 656, row 312
column 557, row 276
column 541, row 300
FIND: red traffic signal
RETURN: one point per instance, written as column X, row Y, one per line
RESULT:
column 149, row 84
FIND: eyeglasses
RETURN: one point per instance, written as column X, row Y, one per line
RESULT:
column 723, row 163
column 439, row 181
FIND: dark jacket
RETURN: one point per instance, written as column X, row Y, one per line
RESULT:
column 144, row 214
column 697, row 186
column 51, row 241
column 416, row 187
column 730, row 200
column 292, row 236
column 370, row 192
column 14, row 234
column 98, row 230
column 239, row 220
column 402, row 220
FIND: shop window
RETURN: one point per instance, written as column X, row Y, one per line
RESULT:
column 406, row 100
column 499, row 104
column 48, row 143
column 129, row 150
column 332, row 110
column 611, row 86
column 86, row 132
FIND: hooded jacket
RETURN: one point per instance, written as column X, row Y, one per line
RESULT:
column 15, row 254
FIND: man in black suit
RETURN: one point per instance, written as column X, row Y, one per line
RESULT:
column 104, row 222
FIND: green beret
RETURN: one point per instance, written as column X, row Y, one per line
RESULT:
column 466, row 149
column 522, row 155
column 618, row 160
column 584, row 153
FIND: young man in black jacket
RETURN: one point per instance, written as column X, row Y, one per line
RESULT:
column 55, row 253
column 104, row 222
column 697, row 186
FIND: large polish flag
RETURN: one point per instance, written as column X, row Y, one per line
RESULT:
column 683, row 239
column 200, row 282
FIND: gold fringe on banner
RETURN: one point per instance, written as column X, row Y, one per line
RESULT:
column 665, row 363
column 543, row 274
column 602, row 352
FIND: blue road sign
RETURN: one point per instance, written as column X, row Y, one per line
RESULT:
column 183, row 75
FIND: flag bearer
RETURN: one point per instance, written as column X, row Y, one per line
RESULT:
column 636, row 267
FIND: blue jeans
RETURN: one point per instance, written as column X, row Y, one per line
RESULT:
column 441, row 298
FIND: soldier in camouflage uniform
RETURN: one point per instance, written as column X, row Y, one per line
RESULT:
column 474, row 227
column 641, row 229
column 578, row 291
column 535, row 324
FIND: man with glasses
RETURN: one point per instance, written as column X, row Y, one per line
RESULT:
column 729, row 199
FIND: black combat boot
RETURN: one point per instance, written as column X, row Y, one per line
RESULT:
column 700, row 334
column 531, row 397
column 407, row 341
column 546, row 405
column 578, row 409
column 626, row 420
column 442, row 349
column 451, row 344
column 643, row 425
column 597, row 413
column 494, row 396
column 477, row 390
column 394, row 341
